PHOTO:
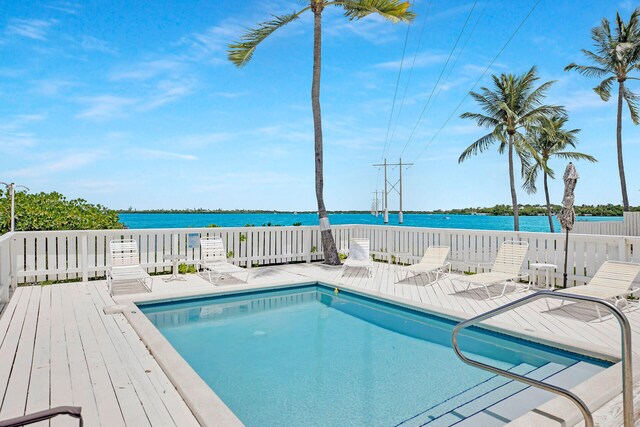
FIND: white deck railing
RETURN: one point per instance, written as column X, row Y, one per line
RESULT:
column 27, row 257
column 629, row 226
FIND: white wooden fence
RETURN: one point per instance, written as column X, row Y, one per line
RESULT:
column 27, row 257
column 629, row 226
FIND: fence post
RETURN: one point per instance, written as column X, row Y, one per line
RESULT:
column 5, row 271
column 622, row 249
column 249, row 246
column 306, row 243
column 84, row 255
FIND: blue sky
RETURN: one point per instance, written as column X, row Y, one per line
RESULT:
column 130, row 103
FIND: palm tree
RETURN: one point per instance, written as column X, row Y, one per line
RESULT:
column 550, row 139
column 511, row 107
column 240, row 53
column 615, row 56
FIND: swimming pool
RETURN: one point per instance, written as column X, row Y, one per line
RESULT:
column 306, row 355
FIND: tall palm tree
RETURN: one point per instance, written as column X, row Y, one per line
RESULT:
column 615, row 56
column 510, row 108
column 240, row 53
column 548, row 139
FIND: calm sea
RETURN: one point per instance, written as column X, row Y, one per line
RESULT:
column 478, row 222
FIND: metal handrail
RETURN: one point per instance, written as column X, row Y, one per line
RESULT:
column 627, row 377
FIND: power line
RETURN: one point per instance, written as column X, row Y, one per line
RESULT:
column 413, row 63
column 439, row 77
column 479, row 78
column 395, row 94
column 464, row 46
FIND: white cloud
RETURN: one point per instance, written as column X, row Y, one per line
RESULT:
column 159, row 154
column 35, row 29
column 51, row 87
column 422, row 60
column 167, row 91
column 147, row 70
column 63, row 163
column 95, row 44
column 105, row 106
column 582, row 99
column 65, row 7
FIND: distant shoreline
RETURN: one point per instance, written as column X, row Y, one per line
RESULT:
column 499, row 210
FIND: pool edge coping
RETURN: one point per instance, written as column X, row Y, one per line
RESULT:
column 210, row 410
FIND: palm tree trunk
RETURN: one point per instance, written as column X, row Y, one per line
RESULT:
column 328, row 244
column 623, row 181
column 512, row 182
column 546, row 194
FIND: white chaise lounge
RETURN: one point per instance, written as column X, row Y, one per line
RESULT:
column 213, row 261
column 125, row 265
column 506, row 269
column 359, row 256
column 613, row 280
column 434, row 261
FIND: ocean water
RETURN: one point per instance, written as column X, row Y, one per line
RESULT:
column 470, row 222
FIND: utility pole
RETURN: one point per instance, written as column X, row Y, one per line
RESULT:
column 11, row 188
column 375, row 203
column 392, row 187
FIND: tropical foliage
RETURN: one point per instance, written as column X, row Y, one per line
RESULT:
column 52, row 211
column 241, row 52
column 548, row 139
column 615, row 57
column 509, row 109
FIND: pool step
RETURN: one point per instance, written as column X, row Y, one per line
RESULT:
column 472, row 393
column 505, row 411
column 485, row 401
column 480, row 397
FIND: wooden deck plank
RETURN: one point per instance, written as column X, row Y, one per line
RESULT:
column 11, row 340
column 158, row 396
column 108, row 409
column 60, row 375
column 15, row 399
column 38, row 398
column 132, row 410
column 82, row 390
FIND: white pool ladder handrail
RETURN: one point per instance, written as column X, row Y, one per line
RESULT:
column 627, row 376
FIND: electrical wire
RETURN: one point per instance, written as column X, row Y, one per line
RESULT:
column 479, row 78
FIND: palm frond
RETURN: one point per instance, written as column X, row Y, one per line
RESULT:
column 392, row 10
column 632, row 103
column 604, row 88
column 572, row 155
column 478, row 146
column 587, row 70
column 241, row 52
column 481, row 119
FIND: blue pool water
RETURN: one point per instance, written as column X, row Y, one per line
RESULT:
column 307, row 356
column 474, row 222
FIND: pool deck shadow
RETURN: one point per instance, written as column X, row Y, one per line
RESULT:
column 58, row 347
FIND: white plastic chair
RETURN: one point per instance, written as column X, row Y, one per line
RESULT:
column 433, row 261
column 125, row 265
column 213, row 260
column 506, row 268
column 613, row 280
column 359, row 256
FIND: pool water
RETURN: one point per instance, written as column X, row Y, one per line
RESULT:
column 309, row 356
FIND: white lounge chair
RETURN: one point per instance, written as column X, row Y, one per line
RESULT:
column 613, row 280
column 125, row 265
column 213, row 260
column 506, row 268
column 359, row 256
column 433, row 261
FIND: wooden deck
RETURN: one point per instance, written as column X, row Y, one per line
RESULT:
column 58, row 347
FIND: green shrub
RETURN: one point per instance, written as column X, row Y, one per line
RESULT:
column 52, row 211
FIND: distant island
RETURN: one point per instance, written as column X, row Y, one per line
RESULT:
column 497, row 210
